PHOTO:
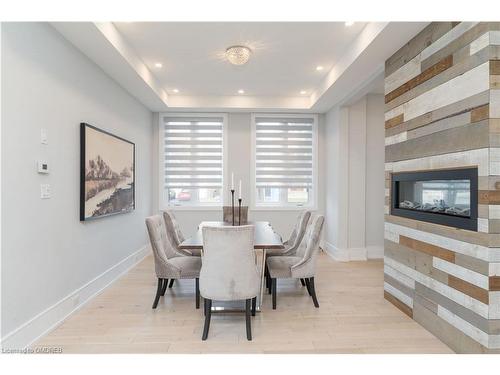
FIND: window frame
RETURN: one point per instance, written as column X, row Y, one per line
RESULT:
column 283, row 206
column 161, row 170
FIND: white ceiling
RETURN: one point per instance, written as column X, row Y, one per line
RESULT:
column 283, row 61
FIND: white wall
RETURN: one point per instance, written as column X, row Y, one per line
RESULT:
column 47, row 253
column 239, row 162
column 375, row 159
column 354, row 199
column 356, row 176
column 336, row 155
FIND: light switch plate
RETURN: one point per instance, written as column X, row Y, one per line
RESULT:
column 44, row 139
column 44, row 191
column 43, row 166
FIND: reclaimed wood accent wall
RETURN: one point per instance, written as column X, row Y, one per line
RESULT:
column 442, row 95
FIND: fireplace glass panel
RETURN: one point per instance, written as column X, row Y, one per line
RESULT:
column 447, row 197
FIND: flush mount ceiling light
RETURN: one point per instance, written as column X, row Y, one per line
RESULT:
column 238, row 55
column 240, row 91
column 349, row 23
column 319, row 68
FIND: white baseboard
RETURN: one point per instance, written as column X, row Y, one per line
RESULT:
column 345, row 255
column 354, row 253
column 50, row 318
column 375, row 252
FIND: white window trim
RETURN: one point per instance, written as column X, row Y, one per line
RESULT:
column 161, row 170
column 313, row 205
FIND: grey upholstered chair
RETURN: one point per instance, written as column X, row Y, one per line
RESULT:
column 174, row 232
column 168, row 263
column 176, row 237
column 302, row 265
column 295, row 238
column 228, row 271
column 292, row 243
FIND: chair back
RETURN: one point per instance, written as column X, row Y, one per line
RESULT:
column 299, row 230
column 160, row 243
column 228, row 271
column 173, row 229
column 309, row 247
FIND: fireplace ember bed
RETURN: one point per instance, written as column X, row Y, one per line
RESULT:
column 447, row 197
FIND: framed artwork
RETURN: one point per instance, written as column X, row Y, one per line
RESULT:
column 107, row 173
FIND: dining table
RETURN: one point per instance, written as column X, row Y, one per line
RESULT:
column 265, row 238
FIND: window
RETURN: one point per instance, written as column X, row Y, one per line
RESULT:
column 285, row 149
column 192, row 159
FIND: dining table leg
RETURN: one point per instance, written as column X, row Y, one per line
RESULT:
column 262, row 278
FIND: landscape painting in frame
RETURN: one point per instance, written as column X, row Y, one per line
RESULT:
column 107, row 173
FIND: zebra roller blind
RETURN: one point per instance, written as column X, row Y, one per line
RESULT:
column 193, row 152
column 284, row 152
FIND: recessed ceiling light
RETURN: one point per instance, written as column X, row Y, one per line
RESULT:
column 241, row 91
column 319, row 68
column 349, row 23
column 158, row 65
column 238, row 55
column 175, row 90
column 303, row 92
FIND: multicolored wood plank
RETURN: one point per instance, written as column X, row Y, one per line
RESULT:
column 442, row 95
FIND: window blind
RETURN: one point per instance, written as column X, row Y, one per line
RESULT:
column 193, row 152
column 284, row 152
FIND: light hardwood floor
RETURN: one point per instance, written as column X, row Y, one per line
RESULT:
column 353, row 318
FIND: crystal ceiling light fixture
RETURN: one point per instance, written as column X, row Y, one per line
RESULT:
column 238, row 55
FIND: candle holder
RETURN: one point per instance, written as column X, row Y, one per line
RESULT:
column 239, row 211
column 232, row 203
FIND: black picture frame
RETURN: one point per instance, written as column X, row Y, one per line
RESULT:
column 83, row 152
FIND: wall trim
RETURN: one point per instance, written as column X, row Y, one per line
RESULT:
column 346, row 255
column 375, row 252
column 53, row 316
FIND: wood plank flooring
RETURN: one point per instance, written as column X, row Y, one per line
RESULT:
column 353, row 317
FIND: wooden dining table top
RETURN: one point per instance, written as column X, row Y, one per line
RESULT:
column 265, row 236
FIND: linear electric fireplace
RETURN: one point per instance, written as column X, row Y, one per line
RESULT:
column 447, row 197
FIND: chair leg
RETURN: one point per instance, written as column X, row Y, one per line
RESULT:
column 270, row 283
column 308, row 286
column 164, row 288
column 266, row 275
column 273, row 287
column 158, row 293
column 171, row 283
column 249, row 323
column 313, row 292
column 197, row 293
column 254, row 305
column 208, row 314
column 302, row 282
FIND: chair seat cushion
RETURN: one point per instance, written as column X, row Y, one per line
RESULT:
column 281, row 266
column 189, row 266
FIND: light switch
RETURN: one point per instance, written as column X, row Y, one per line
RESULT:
column 43, row 167
column 44, row 137
column 44, row 191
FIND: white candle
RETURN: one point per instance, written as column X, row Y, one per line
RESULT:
column 232, row 181
column 240, row 190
